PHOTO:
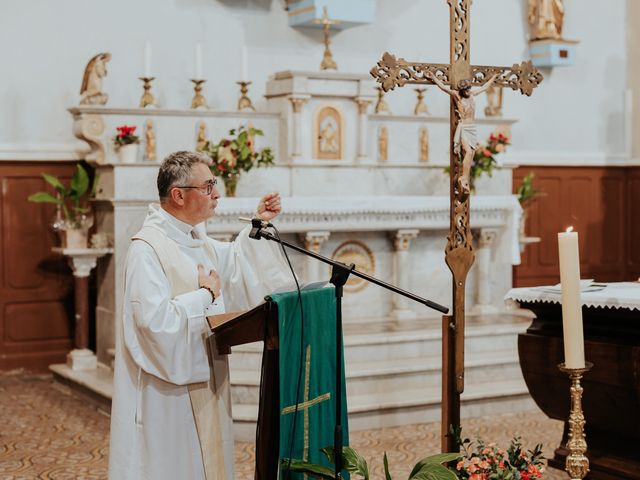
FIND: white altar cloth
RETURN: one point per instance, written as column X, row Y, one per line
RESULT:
column 613, row 295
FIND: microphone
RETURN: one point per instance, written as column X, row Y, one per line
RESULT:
column 256, row 222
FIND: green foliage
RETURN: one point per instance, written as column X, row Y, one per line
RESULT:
column 236, row 154
column 526, row 192
column 73, row 201
column 429, row 468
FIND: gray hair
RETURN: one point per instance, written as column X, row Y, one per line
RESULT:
column 176, row 170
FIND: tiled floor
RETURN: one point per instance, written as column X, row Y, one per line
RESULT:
column 48, row 433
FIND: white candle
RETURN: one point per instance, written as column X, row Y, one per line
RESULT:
column 245, row 66
column 147, row 59
column 198, row 73
column 571, row 301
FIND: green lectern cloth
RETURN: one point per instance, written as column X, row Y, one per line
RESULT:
column 315, row 422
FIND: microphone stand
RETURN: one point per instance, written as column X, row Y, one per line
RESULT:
column 339, row 275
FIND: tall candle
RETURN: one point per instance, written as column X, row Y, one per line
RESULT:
column 245, row 66
column 147, row 59
column 571, row 301
column 198, row 73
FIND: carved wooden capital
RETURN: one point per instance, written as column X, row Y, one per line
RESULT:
column 296, row 103
column 363, row 105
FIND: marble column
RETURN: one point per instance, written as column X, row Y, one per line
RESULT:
column 296, row 105
column 363, row 104
column 485, row 239
column 314, row 268
column 401, row 269
column 82, row 261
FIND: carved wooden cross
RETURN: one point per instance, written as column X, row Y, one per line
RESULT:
column 390, row 73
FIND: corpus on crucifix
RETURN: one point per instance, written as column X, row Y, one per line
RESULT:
column 393, row 72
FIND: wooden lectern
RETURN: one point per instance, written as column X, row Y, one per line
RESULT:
column 238, row 328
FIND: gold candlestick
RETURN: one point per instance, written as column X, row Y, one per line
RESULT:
column 381, row 104
column 198, row 100
column 244, row 102
column 577, row 463
column 147, row 99
column 421, row 107
column 328, row 63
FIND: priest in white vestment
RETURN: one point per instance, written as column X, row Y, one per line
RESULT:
column 175, row 276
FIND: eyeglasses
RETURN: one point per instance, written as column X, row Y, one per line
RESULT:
column 205, row 189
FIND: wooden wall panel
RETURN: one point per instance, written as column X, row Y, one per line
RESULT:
column 596, row 201
column 36, row 286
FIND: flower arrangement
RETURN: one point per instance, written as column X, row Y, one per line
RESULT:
column 236, row 154
column 126, row 136
column 526, row 192
column 484, row 160
column 488, row 462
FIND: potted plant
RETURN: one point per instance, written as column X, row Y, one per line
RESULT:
column 236, row 154
column 484, row 158
column 526, row 194
column 126, row 143
column 73, row 214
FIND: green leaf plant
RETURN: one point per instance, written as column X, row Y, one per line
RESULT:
column 73, row 200
column 429, row 468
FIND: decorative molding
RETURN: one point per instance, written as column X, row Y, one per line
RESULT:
column 43, row 151
column 161, row 112
column 564, row 159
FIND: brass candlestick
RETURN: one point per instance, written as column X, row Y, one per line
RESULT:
column 147, row 99
column 381, row 105
column 577, row 463
column 198, row 100
column 244, row 102
column 421, row 107
column 328, row 63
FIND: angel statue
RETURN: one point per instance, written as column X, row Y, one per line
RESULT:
column 91, row 90
column 545, row 19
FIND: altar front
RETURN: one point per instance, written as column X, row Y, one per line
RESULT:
column 611, row 399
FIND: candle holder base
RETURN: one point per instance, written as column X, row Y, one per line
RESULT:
column 198, row 101
column 577, row 463
column 147, row 100
column 244, row 102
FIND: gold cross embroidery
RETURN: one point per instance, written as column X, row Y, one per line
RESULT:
column 306, row 404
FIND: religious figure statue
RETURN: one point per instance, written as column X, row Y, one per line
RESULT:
column 91, row 90
column 383, row 144
column 424, row 144
column 201, row 140
column 545, row 19
column 494, row 102
column 466, row 136
column 150, row 143
column 329, row 138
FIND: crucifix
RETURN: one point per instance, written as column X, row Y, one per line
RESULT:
column 456, row 78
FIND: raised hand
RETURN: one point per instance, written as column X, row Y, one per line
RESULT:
column 269, row 207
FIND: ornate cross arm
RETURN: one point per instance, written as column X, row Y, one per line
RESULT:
column 391, row 72
column 524, row 77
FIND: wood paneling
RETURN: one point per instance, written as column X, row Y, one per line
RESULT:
column 36, row 287
column 601, row 204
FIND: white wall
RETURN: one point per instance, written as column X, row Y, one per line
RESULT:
column 577, row 113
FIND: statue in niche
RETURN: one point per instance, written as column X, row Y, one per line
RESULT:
column 329, row 134
column 465, row 138
column 494, row 102
column 150, row 141
column 383, row 144
column 201, row 140
column 424, row 144
column 545, row 19
column 91, row 90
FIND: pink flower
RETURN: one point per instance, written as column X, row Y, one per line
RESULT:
column 460, row 465
column 486, row 152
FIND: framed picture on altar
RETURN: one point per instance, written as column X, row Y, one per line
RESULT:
column 328, row 133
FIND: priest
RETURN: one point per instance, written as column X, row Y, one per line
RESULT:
column 171, row 410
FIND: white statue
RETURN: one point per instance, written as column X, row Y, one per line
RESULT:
column 91, row 90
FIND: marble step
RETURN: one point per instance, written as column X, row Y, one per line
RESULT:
column 372, row 377
column 410, row 406
column 389, row 345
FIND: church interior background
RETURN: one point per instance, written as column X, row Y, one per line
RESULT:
column 362, row 179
